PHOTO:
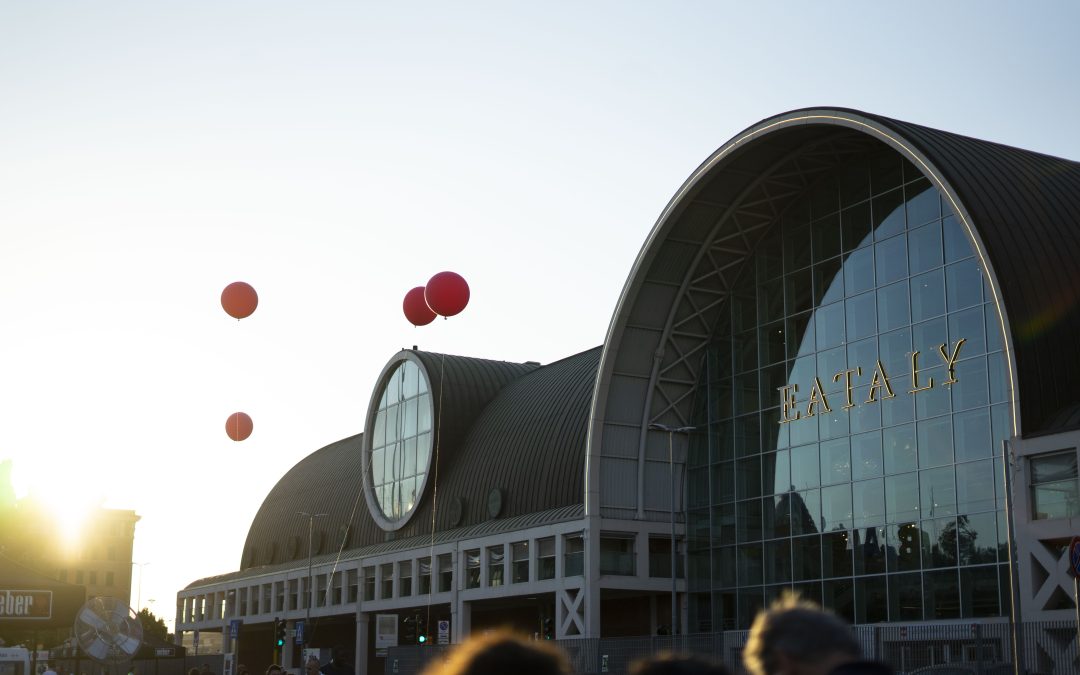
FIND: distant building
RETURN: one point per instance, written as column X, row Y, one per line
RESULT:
column 99, row 559
column 824, row 344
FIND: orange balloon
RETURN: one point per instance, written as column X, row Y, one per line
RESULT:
column 239, row 300
column 239, row 426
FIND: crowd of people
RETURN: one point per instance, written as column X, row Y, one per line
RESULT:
column 791, row 637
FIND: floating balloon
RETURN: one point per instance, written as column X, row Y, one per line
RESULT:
column 239, row 426
column 446, row 293
column 416, row 309
column 239, row 300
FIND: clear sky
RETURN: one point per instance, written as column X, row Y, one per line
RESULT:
column 336, row 154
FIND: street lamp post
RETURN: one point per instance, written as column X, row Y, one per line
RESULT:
column 311, row 590
column 671, row 431
column 138, row 601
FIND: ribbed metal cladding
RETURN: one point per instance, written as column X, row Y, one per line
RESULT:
column 326, row 481
column 1026, row 208
column 529, row 442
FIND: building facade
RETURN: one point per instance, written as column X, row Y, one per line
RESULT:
column 842, row 364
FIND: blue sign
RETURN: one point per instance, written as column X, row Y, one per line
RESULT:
column 234, row 628
column 299, row 632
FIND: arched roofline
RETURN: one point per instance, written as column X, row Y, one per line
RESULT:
column 622, row 336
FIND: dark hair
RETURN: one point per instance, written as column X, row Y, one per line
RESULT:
column 502, row 652
column 800, row 629
column 676, row 664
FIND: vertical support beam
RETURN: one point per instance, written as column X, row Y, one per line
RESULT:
column 591, row 588
column 363, row 648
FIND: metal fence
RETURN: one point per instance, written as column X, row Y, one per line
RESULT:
column 1045, row 648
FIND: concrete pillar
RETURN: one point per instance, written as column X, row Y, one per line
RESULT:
column 363, row 648
column 287, row 650
column 460, row 620
column 591, row 586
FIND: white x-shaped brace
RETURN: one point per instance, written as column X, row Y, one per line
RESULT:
column 571, row 612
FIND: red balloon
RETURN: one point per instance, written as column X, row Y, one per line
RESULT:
column 239, row 426
column 239, row 300
column 416, row 309
column 446, row 293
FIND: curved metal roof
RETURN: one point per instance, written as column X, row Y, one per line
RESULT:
column 532, row 418
column 1023, row 212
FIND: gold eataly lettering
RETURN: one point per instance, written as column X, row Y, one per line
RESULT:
column 950, row 361
column 787, row 394
column 817, row 397
column 846, row 375
column 877, row 382
column 915, row 375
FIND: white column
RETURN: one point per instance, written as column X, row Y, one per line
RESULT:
column 360, row 659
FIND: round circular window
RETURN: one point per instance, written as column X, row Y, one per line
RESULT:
column 398, row 444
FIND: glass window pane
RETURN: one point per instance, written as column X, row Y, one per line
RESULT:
column 777, row 561
column 828, row 282
column 870, row 550
column 970, row 389
column 942, row 595
column 866, row 458
column 935, row 441
column 829, row 326
column 963, row 284
column 906, row 540
column 979, row 592
column 888, row 210
column 806, row 558
column 855, row 226
column 805, row 509
column 836, row 511
column 871, row 600
column 899, row 449
column 968, row 325
column 891, row 260
column 977, row 537
column 902, row 498
column 805, row 467
column 971, row 434
column 924, row 248
column 869, row 503
column 957, row 244
column 927, row 296
column 938, row 492
column 826, row 234
column 859, row 271
column 861, row 316
column 892, row 306
column 835, row 462
column 922, row 203
column 905, row 597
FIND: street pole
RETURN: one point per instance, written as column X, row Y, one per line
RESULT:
column 671, row 431
column 311, row 590
column 138, row 601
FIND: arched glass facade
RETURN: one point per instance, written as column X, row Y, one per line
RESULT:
column 832, row 466
column 401, row 442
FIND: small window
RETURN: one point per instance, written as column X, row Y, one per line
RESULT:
column 545, row 559
column 424, row 565
column 446, row 573
column 353, row 584
column 617, row 554
column 520, row 553
column 387, row 581
column 1055, row 492
column 495, row 558
column 405, row 584
column 660, row 557
column 472, row 568
column 574, row 556
column 369, row 583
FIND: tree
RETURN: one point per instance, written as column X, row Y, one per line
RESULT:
column 153, row 627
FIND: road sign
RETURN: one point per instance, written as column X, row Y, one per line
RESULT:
column 1074, row 557
column 234, row 628
column 299, row 632
column 444, row 632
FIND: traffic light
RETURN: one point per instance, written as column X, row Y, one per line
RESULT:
column 421, row 629
column 279, row 632
column 549, row 629
column 408, row 633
